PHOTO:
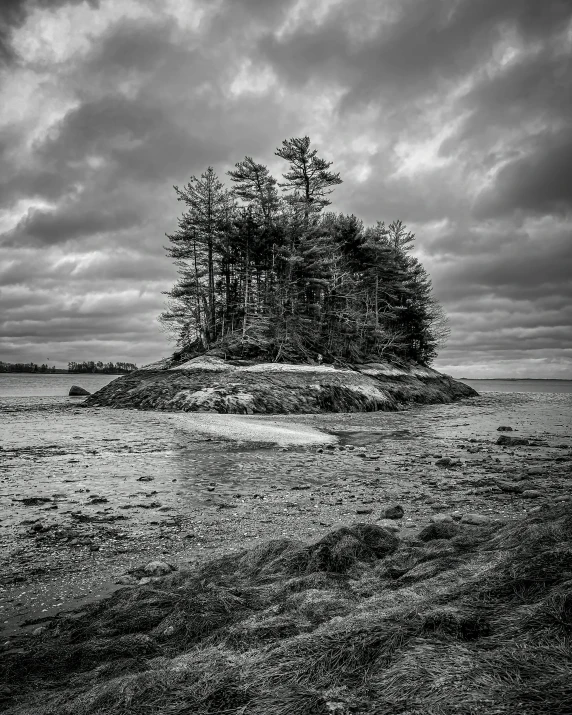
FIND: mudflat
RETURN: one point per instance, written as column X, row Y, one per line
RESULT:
column 89, row 494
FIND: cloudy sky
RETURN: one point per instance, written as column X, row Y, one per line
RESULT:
column 453, row 115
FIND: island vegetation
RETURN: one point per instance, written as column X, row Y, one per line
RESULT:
column 265, row 271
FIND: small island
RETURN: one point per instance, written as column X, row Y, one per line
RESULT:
column 284, row 307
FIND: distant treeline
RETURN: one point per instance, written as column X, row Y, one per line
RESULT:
column 87, row 366
column 107, row 367
column 25, row 367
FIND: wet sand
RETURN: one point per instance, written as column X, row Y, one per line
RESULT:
column 88, row 494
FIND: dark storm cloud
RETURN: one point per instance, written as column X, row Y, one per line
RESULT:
column 539, row 182
column 49, row 227
column 423, row 43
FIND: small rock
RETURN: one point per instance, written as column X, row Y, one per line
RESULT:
column 364, row 511
column 394, row 512
column 35, row 501
column 145, row 479
column 169, row 630
column 76, row 391
column 506, row 440
column 509, row 487
column 504, row 428
column 457, row 515
column 126, row 580
column 531, row 494
column 39, row 630
column 388, row 524
column 535, row 470
column 444, row 462
column 475, row 519
column 441, row 519
column 158, row 568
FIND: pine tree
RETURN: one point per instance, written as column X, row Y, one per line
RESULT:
column 309, row 176
column 278, row 278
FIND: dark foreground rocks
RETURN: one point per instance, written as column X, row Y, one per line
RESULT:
column 468, row 618
column 215, row 385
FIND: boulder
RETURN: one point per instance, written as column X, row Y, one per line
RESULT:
column 441, row 519
column 504, row 428
column 444, row 530
column 76, row 391
column 393, row 512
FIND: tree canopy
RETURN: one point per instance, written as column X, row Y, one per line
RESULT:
column 275, row 276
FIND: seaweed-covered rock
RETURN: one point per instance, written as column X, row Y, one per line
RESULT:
column 76, row 391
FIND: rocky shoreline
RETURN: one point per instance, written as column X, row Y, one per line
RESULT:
column 110, row 505
column 211, row 384
column 416, row 546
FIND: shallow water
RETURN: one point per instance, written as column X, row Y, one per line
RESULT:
column 30, row 384
column 58, row 450
column 520, row 385
column 53, row 448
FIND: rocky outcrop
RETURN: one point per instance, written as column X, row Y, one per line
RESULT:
column 76, row 391
column 208, row 384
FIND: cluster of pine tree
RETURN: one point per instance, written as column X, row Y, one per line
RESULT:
column 273, row 275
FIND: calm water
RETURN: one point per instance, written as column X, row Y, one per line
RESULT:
column 520, row 385
column 23, row 384
column 36, row 385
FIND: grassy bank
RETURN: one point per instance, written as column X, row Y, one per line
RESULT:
column 462, row 619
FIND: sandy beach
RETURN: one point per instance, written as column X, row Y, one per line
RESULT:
column 90, row 494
